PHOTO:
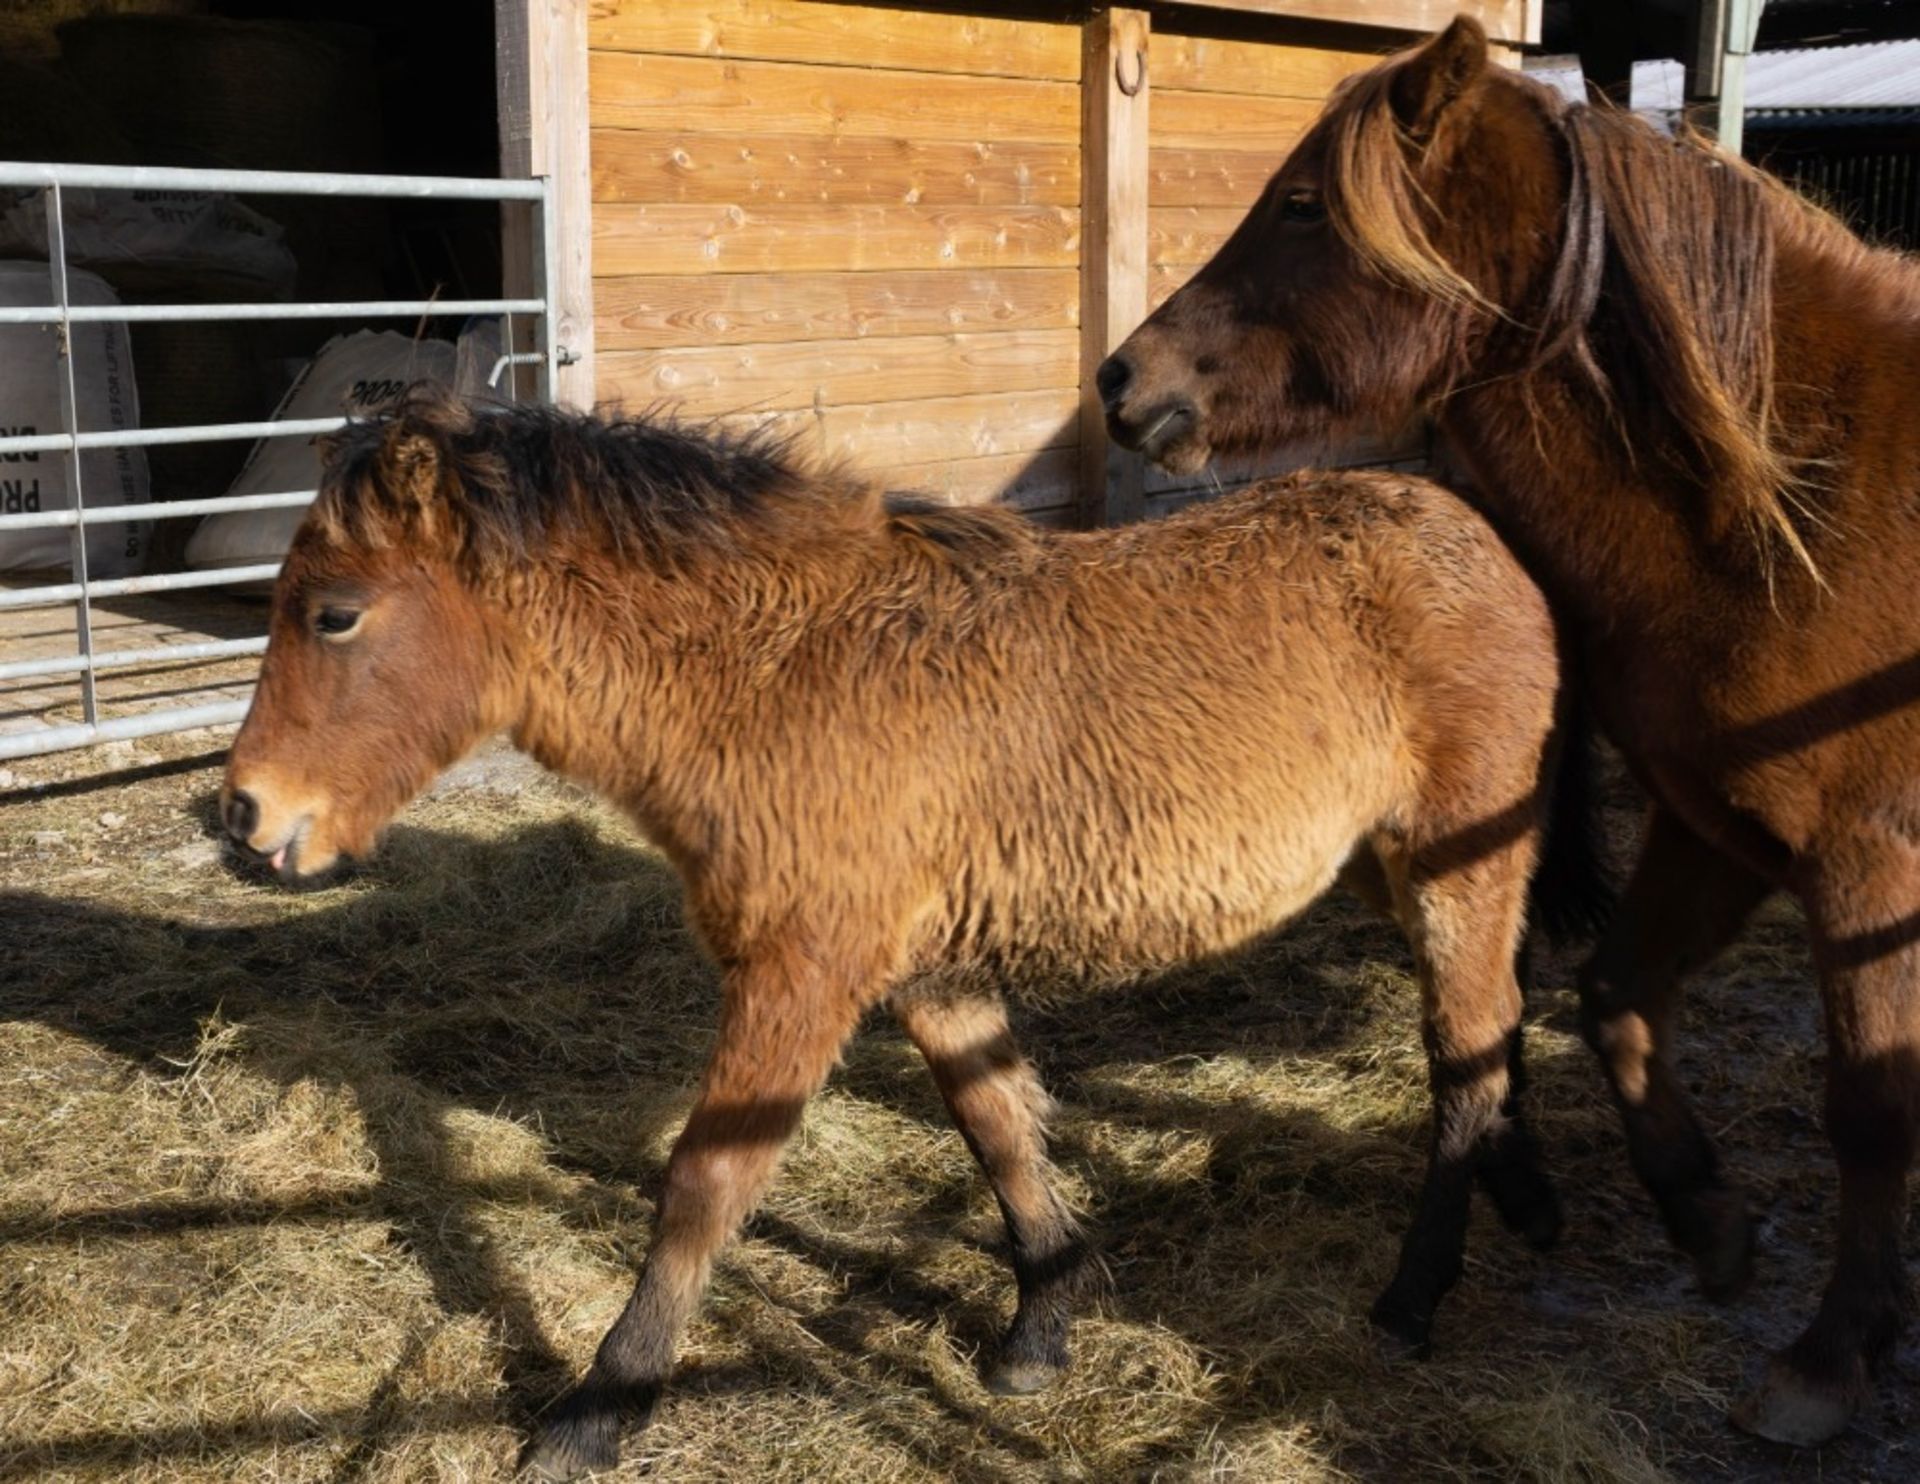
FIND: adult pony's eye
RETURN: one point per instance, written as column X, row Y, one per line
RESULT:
column 336, row 623
column 1302, row 206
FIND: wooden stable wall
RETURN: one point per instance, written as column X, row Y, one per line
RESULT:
column 866, row 225
column 863, row 224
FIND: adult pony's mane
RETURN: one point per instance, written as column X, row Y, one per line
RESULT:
column 1660, row 297
column 509, row 480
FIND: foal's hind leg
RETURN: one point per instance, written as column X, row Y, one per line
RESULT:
column 1463, row 925
column 1864, row 906
column 1000, row 1108
column 783, row 1022
column 1684, row 904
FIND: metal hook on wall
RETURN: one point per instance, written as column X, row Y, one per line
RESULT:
column 1131, row 89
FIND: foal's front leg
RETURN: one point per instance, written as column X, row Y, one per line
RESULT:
column 783, row 1022
column 1463, row 926
column 1000, row 1107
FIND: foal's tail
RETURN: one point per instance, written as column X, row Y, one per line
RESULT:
column 1574, row 891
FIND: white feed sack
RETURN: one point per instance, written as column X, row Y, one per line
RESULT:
column 32, row 388
column 204, row 237
column 360, row 375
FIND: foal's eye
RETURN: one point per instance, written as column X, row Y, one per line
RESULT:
column 336, row 623
column 1302, row 206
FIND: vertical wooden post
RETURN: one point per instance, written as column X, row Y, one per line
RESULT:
column 540, row 75
column 1113, row 243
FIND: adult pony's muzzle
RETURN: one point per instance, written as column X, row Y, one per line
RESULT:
column 1164, row 429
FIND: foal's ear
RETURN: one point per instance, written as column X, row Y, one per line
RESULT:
column 411, row 467
column 1438, row 73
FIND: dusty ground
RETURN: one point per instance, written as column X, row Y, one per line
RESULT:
column 343, row 1186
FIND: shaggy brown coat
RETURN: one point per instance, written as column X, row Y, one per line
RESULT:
column 910, row 754
column 1688, row 400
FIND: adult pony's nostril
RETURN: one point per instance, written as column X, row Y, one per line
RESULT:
column 1111, row 380
column 243, row 815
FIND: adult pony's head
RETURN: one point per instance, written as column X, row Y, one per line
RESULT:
column 1446, row 223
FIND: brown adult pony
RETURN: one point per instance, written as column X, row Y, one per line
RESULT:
column 1688, row 399
column 907, row 754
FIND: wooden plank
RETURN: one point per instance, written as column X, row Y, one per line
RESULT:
column 745, row 169
column 745, row 308
column 703, row 95
column 1212, row 177
column 1505, row 20
column 1230, row 121
column 697, row 239
column 1047, row 479
column 708, row 381
column 1113, row 267
column 1208, row 65
column 1189, row 234
column 889, row 434
column 841, row 35
column 541, row 88
column 1165, row 279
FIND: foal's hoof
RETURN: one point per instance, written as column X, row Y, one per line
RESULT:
column 572, row 1443
column 1788, row 1407
column 1526, row 1201
column 1398, row 1333
column 1011, row 1377
column 1721, row 1241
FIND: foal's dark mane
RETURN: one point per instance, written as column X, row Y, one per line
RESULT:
column 1660, row 298
column 511, row 479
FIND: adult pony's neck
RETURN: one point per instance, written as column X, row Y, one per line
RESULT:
column 1669, row 336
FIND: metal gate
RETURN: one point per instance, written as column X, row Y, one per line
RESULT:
column 79, row 593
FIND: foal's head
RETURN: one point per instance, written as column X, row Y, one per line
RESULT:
column 1425, row 195
column 383, row 664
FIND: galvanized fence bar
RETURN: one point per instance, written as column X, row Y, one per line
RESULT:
column 269, row 182
column 73, row 441
column 123, row 659
column 140, row 314
column 122, row 587
column 95, row 515
column 301, row 427
column 122, row 728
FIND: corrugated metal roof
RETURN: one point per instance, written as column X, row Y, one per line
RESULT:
column 1883, row 74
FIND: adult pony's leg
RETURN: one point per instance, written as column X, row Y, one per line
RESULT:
column 782, row 1024
column 1864, row 904
column 1000, row 1108
column 1684, row 903
column 1463, row 925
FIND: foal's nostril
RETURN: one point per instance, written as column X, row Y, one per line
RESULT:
column 243, row 815
column 1111, row 379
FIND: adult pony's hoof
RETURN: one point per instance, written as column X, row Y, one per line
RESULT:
column 1788, row 1407
column 1009, row 1376
column 1399, row 1334
column 1719, row 1237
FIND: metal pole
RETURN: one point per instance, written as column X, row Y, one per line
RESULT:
column 546, row 254
column 70, row 413
column 1716, row 86
column 1743, row 29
